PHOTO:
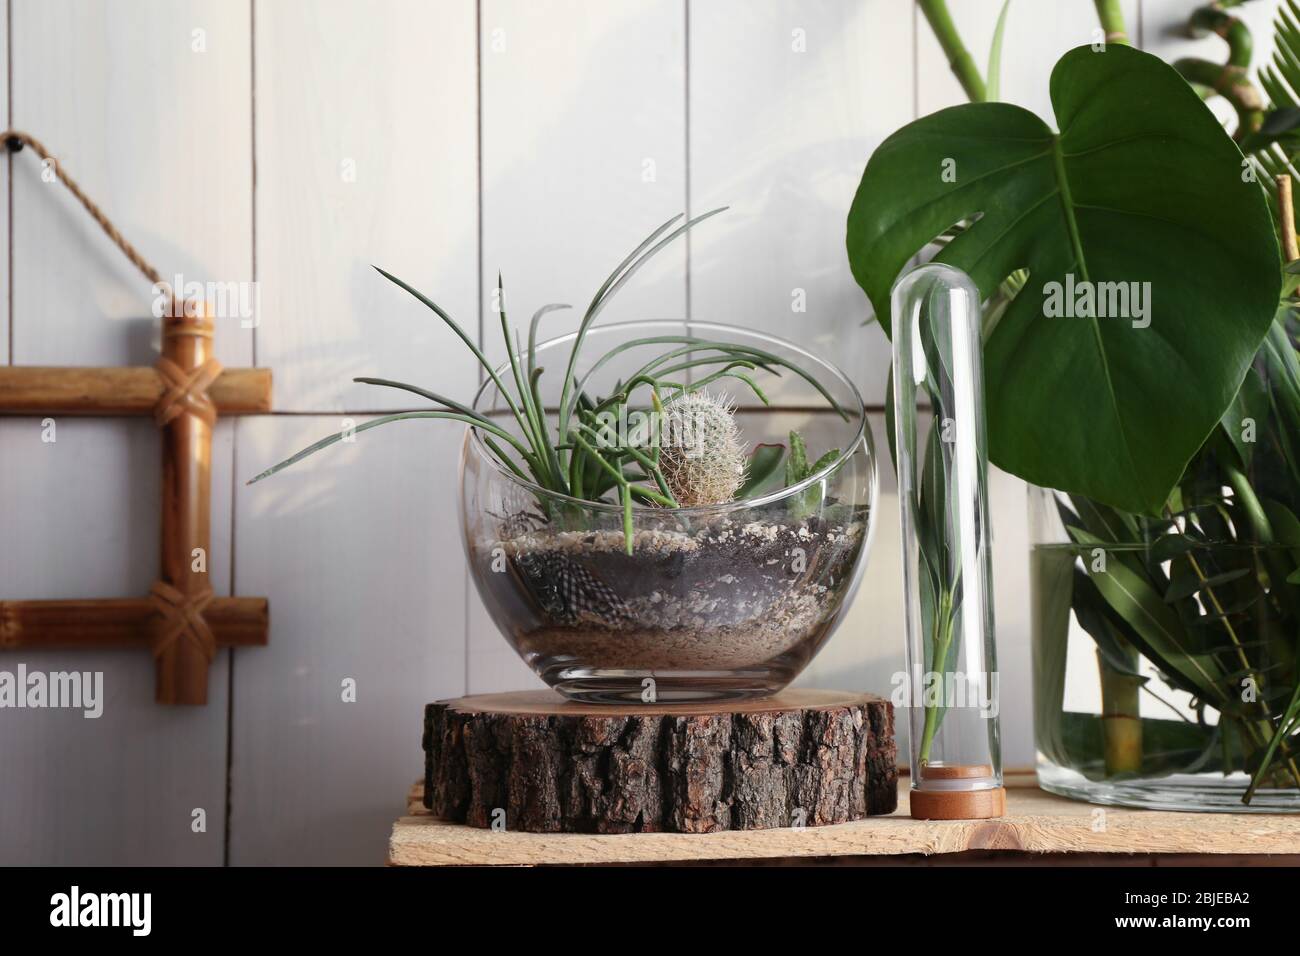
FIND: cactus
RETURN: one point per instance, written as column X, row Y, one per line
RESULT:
column 701, row 455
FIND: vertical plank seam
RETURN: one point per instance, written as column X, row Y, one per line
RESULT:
column 478, row 161
column 230, row 654
column 9, row 159
column 686, row 146
column 478, row 171
column 252, row 150
column 230, row 751
column 916, row 63
column 234, row 431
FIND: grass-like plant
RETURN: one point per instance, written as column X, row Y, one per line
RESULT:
column 580, row 456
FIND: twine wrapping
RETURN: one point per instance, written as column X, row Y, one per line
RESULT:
column 186, row 392
column 182, row 616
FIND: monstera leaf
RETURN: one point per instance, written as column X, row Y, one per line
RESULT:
column 1141, row 185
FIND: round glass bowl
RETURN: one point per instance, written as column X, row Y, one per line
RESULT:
column 715, row 602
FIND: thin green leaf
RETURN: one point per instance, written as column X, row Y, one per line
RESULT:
column 796, row 466
column 375, row 423
column 464, row 337
column 1157, row 627
column 764, row 461
column 994, row 83
column 617, row 279
column 1189, row 583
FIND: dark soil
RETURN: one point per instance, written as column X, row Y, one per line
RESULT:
column 729, row 594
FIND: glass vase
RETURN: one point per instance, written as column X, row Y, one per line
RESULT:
column 714, row 602
column 1165, row 648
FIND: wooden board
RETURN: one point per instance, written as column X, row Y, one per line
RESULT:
column 1036, row 822
column 536, row 762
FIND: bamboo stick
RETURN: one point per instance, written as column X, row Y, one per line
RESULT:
column 186, row 498
column 959, row 58
column 1121, row 725
column 39, row 390
column 1286, row 212
column 114, row 623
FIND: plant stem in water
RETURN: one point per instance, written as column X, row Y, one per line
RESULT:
column 943, row 623
column 1121, row 727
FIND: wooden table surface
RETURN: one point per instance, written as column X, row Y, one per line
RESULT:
column 1037, row 824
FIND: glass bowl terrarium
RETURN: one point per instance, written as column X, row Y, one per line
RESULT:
column 634, row 530
column 720, row 600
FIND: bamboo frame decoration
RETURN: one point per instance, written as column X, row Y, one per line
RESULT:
column 180, row 620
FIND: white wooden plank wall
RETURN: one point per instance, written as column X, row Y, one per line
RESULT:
column 366, row 119
column 156, row 127
column 584, row 153
column 360, row 551
column 296, row 143
column 783, row 145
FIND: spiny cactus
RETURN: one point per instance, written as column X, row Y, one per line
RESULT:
column 701, row 458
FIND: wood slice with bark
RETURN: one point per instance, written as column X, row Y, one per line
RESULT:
column 538, row 763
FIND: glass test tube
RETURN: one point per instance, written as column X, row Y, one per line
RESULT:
column 956, row 764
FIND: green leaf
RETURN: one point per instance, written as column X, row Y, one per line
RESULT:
column 1157, row 630
column 933, row 491
column 1188, row 583
column 811, row 498
column 384, row 420
column 891, row 420
column 1285, row 727
column 763, row 463
column 1286, row 527
column 994, row 83
column 1141, row 185
column 796, row 466
column 1279, row 124
column 1170, row 546
column 1111, row 526
column 825, row 461
column 1246, row 416
column 623, row 272
column 1093, row 615
column 1052, row 575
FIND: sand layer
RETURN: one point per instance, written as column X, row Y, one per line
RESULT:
column 727, row 595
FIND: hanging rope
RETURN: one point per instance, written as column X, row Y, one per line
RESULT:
column 15, row 140
column 185, row 390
